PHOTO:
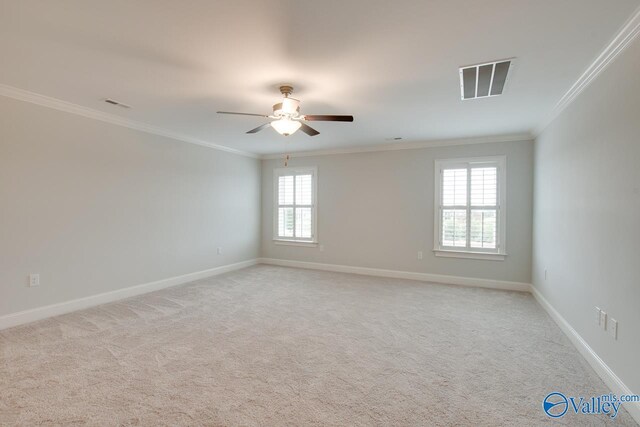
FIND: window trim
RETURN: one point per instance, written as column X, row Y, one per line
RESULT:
column 501, row 210
column 293, row 241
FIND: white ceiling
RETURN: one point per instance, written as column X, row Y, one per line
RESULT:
column 392, row 64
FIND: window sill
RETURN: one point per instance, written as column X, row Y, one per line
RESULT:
column 295, row 243
column 470, row 255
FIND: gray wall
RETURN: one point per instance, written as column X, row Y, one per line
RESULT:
column 95, row 207
column 376, row 210
column 587, row 213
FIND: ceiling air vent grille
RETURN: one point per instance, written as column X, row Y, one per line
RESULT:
column 484, row 80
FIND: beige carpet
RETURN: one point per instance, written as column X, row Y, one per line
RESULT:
column 278, row 346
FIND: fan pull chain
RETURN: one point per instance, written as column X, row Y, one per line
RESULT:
column 286, row 160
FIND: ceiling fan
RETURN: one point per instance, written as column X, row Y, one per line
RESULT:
column 288, row 118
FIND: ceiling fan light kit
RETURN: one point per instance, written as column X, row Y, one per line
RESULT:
column 288, row 118
column 286, row 126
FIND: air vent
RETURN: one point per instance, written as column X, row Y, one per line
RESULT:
column 114, row 102
column 484, row 80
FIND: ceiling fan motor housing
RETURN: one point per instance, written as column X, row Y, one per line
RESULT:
column 289, row 107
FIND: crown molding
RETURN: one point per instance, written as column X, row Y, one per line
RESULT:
column 68, row 107
column 407, row 146
column 627, row 33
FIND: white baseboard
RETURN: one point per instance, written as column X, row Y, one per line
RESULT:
column 396, row 274
column 608, row 376
column 22, row 317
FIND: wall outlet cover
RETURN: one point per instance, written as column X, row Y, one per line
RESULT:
column 612, row 328
column 34, row 280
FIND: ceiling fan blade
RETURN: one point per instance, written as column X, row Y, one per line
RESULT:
column 242, row 114
column 308, row 129
column 327, row 118
column 259, row 128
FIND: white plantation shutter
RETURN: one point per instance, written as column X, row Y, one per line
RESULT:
column 484, row 186
column 285, row 190
column 454, row 187
column 303, row 223
column 285, row 222
column 295, row 207
column 454, row 212
column 484, row 191
column 304, row 189
column 304, row 199
column 469, row 215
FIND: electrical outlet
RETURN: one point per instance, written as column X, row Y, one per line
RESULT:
column 219, row 251
column 419, row 254
column 34, row 280
column 321, row 247
column 603, row 320
column 612, row 328
column 598, row 314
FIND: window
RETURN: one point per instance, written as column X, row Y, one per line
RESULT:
column 470, row 213
column 295, row 205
